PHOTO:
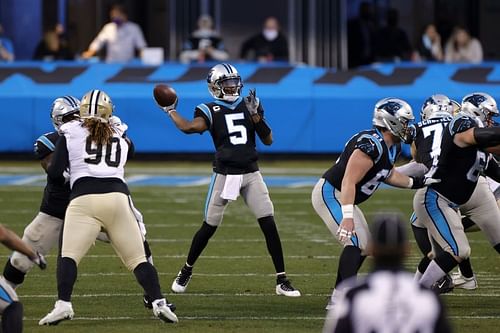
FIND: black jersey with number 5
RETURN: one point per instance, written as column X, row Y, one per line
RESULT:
column 458, row 168
column 370, row 142
column 233, row 134
column 427, row 137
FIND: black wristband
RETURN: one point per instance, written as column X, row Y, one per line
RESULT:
column 262, row 129
column 418, row 182
column 487, row 136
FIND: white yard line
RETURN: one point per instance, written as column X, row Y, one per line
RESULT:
column 228, row 318
column 225, row 295
column 28, row 180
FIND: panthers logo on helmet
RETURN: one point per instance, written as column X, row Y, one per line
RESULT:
column 480, row 105
column 437, row 106
column 62, row 108
column 224, row 82
column 395, row 115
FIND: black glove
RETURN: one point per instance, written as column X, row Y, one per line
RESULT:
column 252, row 102
column 419, row 182
column 40, row 260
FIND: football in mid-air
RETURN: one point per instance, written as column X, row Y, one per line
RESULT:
column 164, row 95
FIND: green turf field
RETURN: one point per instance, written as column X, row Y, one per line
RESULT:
column 233, row 284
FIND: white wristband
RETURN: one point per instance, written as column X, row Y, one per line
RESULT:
column 410, row 183
column 347, row 211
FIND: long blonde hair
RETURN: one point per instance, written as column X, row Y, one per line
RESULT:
column 100, row 132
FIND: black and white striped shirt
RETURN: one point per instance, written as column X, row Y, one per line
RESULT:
column 387, row 302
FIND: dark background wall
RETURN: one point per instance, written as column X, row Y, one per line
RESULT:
column 314, row 27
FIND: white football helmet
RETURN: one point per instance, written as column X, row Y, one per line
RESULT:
column 481, row 106
column 96, row 104
column 224, row 82
column 62, row 108
column 437, row 106
column 395, row 115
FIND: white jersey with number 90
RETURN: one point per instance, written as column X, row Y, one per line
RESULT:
column 87, row 159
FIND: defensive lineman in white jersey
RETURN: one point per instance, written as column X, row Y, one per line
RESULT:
column 96, row 153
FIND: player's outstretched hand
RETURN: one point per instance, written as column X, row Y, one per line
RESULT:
column 252, row 102
column 39, row 260
column 169, row 108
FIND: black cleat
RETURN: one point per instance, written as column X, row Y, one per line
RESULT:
column 443, row 285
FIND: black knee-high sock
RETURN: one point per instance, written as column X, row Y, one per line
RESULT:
column 422, row 265
column 466, row 268
column 273, row 242
column 200, row 241
column 12, row 274
column 12, row 318
column 497, row 248
column 349, row 263
column 422, row 239
column 147, row 276
column 66, row 278
column 446, row 261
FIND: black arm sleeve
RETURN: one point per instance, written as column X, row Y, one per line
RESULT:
column 262, row 128
column 487, row 136
column 60, row 160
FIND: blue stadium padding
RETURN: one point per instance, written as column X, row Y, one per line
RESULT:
column 311, row 110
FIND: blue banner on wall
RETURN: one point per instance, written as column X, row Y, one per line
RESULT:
column 311, row 110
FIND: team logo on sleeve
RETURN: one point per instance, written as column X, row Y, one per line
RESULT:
column 367, row 146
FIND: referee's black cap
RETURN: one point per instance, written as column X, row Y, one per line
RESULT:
column 389, row 231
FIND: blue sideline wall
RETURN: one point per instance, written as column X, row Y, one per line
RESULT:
column 311, row 110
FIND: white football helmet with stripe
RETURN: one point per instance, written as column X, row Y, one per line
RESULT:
column 96, row 104
column 224, row 82
column 62, row 108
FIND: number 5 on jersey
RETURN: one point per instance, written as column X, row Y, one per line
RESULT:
column 237, row 133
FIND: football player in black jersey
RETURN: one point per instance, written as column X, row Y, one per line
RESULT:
column 435, row 114
column 481, row 208
column 233, row 122
column 458, row 167
column 43, row 232
column 367, row 160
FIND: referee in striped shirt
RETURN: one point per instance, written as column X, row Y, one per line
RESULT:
column 388, row 299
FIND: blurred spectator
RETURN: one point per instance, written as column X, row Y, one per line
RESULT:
column 388, row 299
column 361, row 35
column 268, row 45
column 461, row 47
column 392, row 41
column 204, row 44
column 121, row 38
column 6, row 47
column 53, row 46
column 429, row 47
